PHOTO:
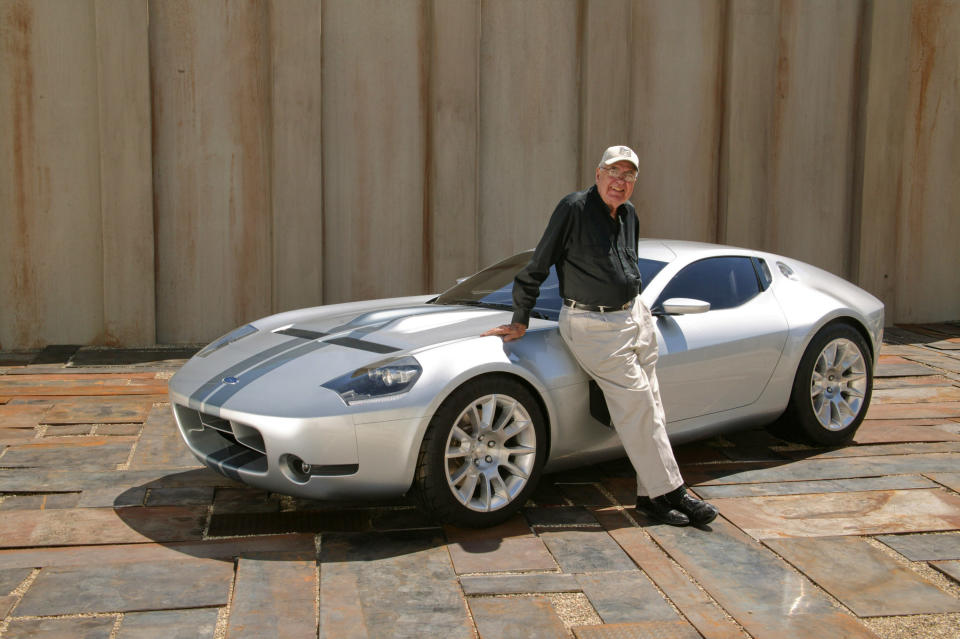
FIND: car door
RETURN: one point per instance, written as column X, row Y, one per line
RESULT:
column 721, row 359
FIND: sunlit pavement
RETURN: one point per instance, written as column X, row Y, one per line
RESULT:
column 110, row 528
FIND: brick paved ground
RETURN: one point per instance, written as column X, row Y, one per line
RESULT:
column 108, row 528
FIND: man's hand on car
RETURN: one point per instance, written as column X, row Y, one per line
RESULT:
column 509, row 332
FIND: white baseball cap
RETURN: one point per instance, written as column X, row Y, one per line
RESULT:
column 618, row 154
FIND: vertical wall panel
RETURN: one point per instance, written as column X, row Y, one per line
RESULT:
column 886, row 69
column 284, row 153
column 211, row 166
column 529, row 117
column 296, row 150
column 813, row 132
column 373, row 149
column 677, row 59
column 605, row 91
column 126, row 200
column 454, row 120
column 51, row 280
column 928, row 273
column 745, row 204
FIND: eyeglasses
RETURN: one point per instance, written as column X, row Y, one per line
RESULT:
column 626, row 176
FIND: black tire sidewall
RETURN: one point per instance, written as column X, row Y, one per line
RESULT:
column 431, row 481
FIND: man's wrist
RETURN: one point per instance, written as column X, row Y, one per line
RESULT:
column 521, row 317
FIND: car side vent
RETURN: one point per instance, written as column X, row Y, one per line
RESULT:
column 787, row 271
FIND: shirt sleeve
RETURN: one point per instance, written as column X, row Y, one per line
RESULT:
column 526, row 285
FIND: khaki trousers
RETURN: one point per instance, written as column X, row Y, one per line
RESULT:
column 619, row 351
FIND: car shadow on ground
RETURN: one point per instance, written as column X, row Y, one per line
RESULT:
column 197, row 511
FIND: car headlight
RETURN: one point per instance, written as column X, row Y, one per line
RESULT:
column 381, row 380
column 229, row 338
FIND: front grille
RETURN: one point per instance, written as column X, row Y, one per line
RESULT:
column 227, row 446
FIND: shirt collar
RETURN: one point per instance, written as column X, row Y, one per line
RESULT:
column 593, row 194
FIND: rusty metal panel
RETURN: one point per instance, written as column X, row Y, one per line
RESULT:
column 862, row 578
column 863, row 513
column 51, row 255
column 211, row 161
column 759, row 590
column 927, row 275
column 528, row 120
column 296, row 150
column 374, row 153
column 505, row 618
column 607, row 34
column 126, row 173
column 274, row 597
column 452, row 214
column 675, row 75
column 925, row 547
column 883, row 104
column 745, row 202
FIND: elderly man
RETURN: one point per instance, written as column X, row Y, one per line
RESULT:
column 592, row 239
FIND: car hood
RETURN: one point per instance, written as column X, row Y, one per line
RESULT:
column 299, row 350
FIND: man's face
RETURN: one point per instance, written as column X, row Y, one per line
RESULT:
column 615, row 190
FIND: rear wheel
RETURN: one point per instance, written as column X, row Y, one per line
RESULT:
column 482, row 454
column 832, row 388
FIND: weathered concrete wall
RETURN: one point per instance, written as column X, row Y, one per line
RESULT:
column 76, row 245
column 171, row 169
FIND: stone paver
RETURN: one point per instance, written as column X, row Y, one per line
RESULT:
column 858, row 484
column 389, row 584
column 950, row 480
column 151, row 544
column 860, row 513
column 200, row 623
column 925, row 547
column 692, row 602
column 518, row 584
column 503, row 555
column 160, row 443
column 76, row 628
column 10, row 578
column 949, row 568
column 625, row 597
column 864, row 579
column 120, row 587
column 96, row 454
column 529, row 617
column 275, row 596
column 585, row 550
column 24, row 529
column 753, row 585
column 678, row 629
column 98, row 410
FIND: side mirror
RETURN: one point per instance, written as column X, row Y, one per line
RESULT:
column 682, row 306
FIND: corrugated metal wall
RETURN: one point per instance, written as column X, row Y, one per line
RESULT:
column 171, row 169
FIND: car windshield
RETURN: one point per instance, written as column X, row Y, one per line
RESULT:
column 493, row 287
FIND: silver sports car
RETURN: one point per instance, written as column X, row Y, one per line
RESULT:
column 375, row 398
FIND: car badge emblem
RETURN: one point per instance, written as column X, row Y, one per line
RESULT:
column 230, row 380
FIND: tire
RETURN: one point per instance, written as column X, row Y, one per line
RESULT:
column 832, row 389
column 482, row 453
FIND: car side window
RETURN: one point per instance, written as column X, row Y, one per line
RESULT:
column 725, row 282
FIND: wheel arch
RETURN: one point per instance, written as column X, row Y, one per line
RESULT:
column 856, row 325
column 523, row 381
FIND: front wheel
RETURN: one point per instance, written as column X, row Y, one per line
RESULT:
column 832, row 388
column 482, row 453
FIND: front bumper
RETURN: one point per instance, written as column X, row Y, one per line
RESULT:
column 343, row 459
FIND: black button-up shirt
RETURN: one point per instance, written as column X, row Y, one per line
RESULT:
column 595, row 255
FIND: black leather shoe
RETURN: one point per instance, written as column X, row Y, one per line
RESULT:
column 660, row 511
column 699, row 512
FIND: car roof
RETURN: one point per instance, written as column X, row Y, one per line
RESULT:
column 668, row 250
